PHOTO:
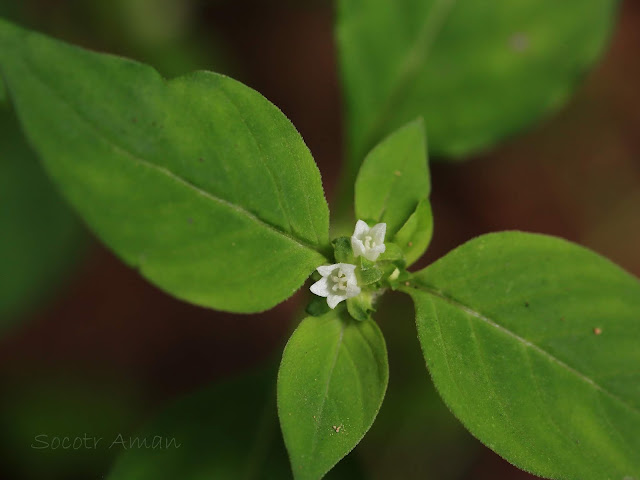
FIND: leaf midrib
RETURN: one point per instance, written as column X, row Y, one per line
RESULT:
column 415, row 57
column 163, row 170
column 320, row 412
column 526, row 343
column 394, row 181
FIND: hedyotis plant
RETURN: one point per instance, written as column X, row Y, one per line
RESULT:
column 209, row 191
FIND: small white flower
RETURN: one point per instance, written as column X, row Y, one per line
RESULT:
column 368, row 242
column 338, row 283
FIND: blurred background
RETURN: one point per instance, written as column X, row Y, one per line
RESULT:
column 88, row 346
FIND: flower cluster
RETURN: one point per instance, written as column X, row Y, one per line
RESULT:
column 339, row 281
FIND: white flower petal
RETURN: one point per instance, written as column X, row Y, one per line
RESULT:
column 371, row 255
column 357, row 246
column 361, row 229
column 321, row 287
column 378, row 232
column 352, row 290
column 326, row 270
column 351, row 278
column 333, row 300
column 347, row 268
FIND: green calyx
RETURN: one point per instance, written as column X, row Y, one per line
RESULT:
column 374, row 277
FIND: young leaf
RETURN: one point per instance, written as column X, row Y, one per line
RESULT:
column 476, row 71
column 332, row 380
column 199, row 182
column 360, row 307
column 342, row 251
column 415, row 235
column 533, row 343
column 394, row 178
column 40, row 237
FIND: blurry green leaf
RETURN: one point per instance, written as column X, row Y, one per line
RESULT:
column 394, row 178
column 40, row 237
column 163, row 33
column 62, row 428
column 331, row 383
column 3, row 93
column 228, row 431
column 476, row 71
column 415, row 235
column 199, row 182
column 533, row 343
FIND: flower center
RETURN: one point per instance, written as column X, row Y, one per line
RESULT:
column 339, row 281
column 369, row 243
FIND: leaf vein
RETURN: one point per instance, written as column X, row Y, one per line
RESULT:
column 165, row 171
column 321, row 409
column 432, row 291
column 419, row 51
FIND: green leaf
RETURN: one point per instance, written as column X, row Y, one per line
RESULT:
column 332, row 380
column 38, row 411
column 360, row 307
column 317, row 306
column 533, row 343
column 41, row 239
column 226, row 431
column 415, row 436
column 199, row 182
column 394, row 178
column 476, row 71
column 415, row 235
column 369, row 272
column 393, row 253
column 342, row 251
column 229, row 430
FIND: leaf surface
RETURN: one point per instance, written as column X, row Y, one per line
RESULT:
column 415, row 235
column 394, row 178
column 476, row 71
column 333, row 376
column 533, row 343
column 199, row 182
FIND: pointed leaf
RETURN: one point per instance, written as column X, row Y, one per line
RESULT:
column 415, row 235
column 533, row 343
column 199, row 182
column 394, row 178
column 332, row 380
column 476, row 71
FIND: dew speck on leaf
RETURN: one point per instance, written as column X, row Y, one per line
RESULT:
column 519, row 42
